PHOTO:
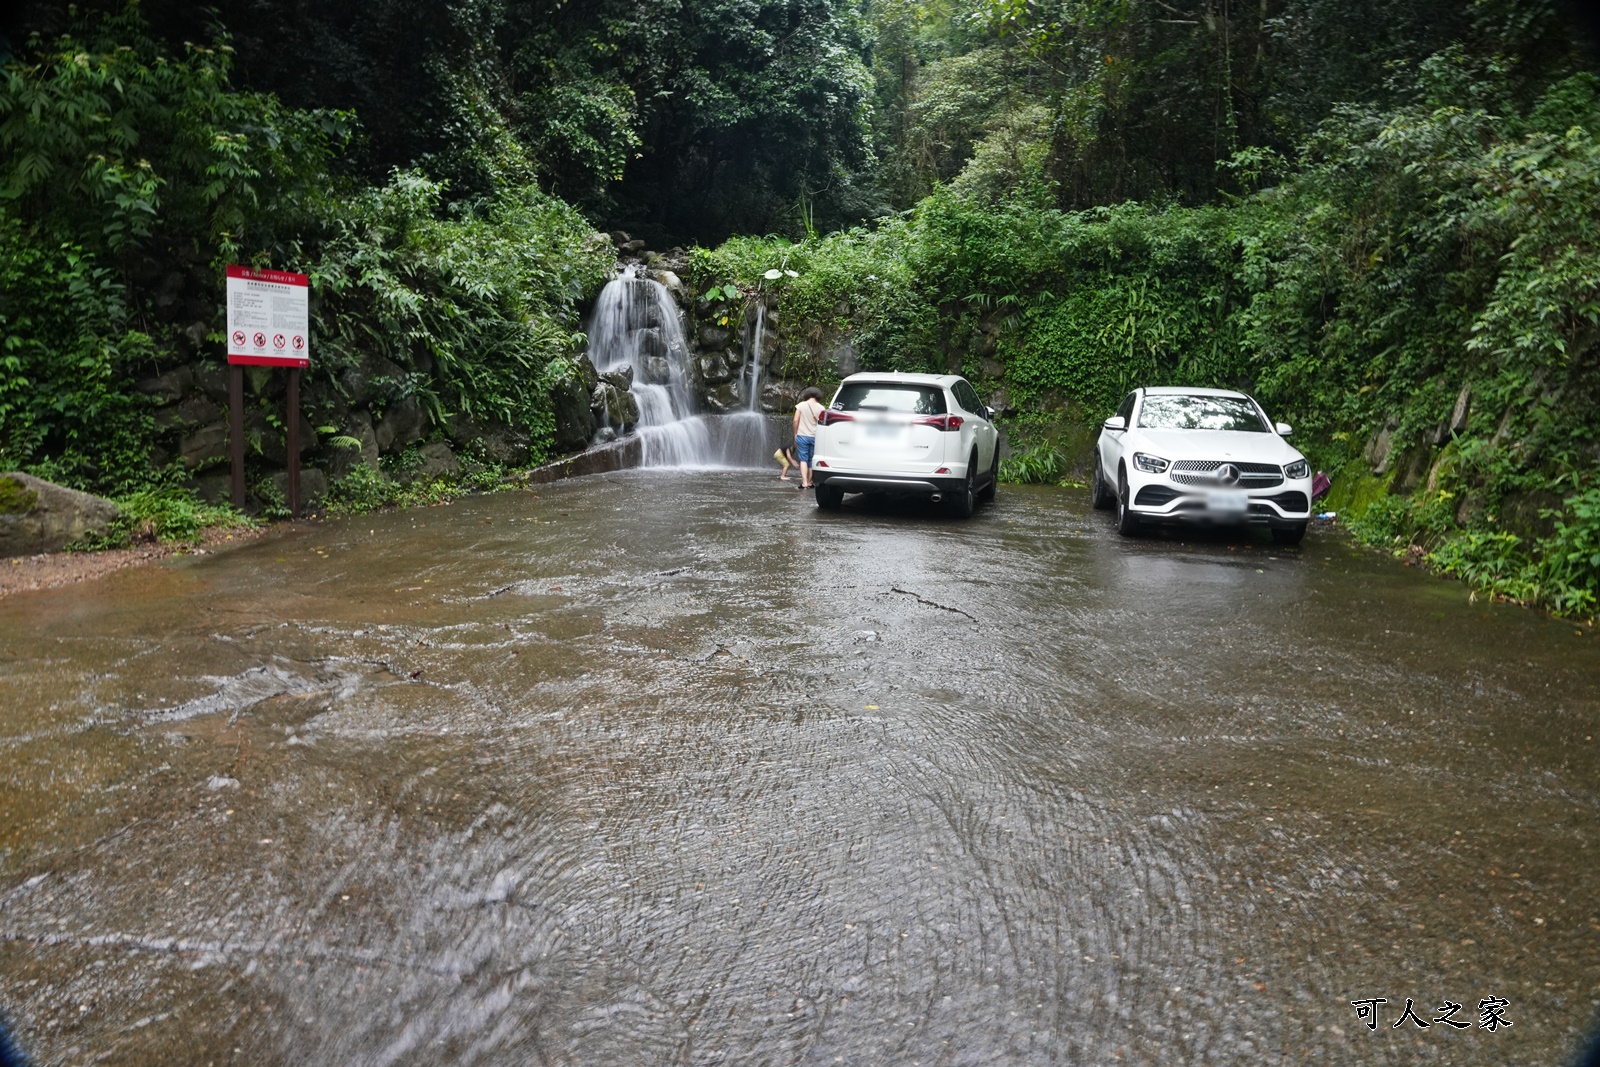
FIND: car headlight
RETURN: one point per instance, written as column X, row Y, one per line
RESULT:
column 1150, row 464
column 1298, row 469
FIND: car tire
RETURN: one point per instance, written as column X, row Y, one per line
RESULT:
column 828, row 497
column 1289, row 535
column 1127, row 521
column 986, row 494
column 964, row 501
column 1100, row 494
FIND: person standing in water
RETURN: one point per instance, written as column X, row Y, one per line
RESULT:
column 806, row 414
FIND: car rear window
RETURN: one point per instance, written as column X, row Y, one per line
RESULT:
column 890, row 396
column 1191, row 412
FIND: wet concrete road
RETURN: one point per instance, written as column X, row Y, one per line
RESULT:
column 659, row 768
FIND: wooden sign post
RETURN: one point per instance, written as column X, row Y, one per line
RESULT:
column 269, row 325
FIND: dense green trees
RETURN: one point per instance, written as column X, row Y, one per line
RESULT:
column 679, row 119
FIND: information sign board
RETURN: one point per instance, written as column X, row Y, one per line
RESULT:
column 268, row 318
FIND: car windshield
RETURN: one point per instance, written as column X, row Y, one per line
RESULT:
column 890, row 396
column 1177, row 411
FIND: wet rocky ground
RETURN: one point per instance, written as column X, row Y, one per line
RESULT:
column 657, row 768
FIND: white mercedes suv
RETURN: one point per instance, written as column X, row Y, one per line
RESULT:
column 916, row 435
column 1200, row 455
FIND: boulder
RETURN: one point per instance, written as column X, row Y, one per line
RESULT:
column 714, row 370
column 205, row 447
column 360, row 381
column 403, row 423
column 723, row 399
column 655, row 370
column 845, row 358
column 619, row 238
column 574, row 417
column 714, row 337
column 196, row 411
column 587, row 375
column 671, row 281
column 632, row 248
column 1463, row 408
column 506, row 446
column 267, row 441
column 345, row 458
column 169, row 387
column 611, row 405
column 213, row 488
column 780, row 396
column 40, row 516
column 438, row 461
column 604, row 435
column 212, row 378
column 621, row 377
column 313, row 486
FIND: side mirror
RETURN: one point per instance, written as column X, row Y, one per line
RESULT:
column 988, row 413
column 1116, row 422
column 1284, row 429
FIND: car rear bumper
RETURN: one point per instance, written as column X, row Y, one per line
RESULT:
column 888, row 484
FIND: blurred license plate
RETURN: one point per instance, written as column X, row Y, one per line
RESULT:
column 1226, row 502
column 883, row 429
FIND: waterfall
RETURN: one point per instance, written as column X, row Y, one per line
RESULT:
column 636, row 323
column 753, row 392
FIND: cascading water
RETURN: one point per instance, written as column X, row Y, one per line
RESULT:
column 753, row 389
column 635, row 323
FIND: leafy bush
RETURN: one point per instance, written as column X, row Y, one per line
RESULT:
column 167, row 515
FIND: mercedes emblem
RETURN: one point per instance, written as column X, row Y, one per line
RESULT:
column 1228, row 474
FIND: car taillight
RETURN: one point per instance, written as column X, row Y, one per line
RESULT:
column 822, row 463
column 828, row 418
column 939, row 422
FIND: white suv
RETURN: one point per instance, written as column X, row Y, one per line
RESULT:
column 1200, row 455
column 916, row 435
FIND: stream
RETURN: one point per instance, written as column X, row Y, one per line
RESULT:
column 672, row 767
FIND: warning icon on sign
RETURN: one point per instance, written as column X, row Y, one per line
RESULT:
column 238, row 338
column 278, row 341
column 260, row 339
column 299, row 343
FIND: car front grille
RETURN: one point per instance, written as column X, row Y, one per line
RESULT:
column 1204, row 472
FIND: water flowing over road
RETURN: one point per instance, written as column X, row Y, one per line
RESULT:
column 664, row 768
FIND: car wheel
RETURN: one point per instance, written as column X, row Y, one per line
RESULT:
column 1127, row 521
column 1099, row 492
column 1291, row 535
column 986, row 494
column 963, row 501
column 828, row 497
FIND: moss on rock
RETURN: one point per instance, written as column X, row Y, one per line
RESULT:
column 16, row 498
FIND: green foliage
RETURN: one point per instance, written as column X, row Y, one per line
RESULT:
column 475, row 306
column 176, row 515
column 167, row 515
column 68, row 347
column 1042, row 463
column 365, row 489
column 130, row 176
